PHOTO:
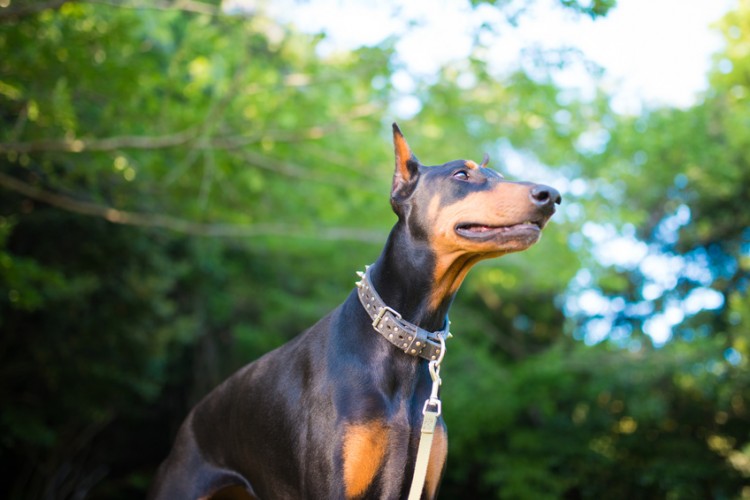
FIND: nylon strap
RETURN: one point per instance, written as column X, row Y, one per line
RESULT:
column 423, row 454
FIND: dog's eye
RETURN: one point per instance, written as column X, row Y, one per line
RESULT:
column 461, row 175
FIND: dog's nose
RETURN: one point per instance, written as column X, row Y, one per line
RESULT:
column 542, row 195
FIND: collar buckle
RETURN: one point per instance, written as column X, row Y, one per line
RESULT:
column 381, row 313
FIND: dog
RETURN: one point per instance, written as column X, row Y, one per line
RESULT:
column 336, row 412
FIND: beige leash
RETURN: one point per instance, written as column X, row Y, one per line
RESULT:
column 431, row 412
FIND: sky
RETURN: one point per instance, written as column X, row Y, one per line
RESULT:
column 653, row 51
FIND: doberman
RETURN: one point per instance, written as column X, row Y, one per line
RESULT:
column 336, row 412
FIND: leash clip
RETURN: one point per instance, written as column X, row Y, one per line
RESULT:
column 434, row 367
column 437, row 404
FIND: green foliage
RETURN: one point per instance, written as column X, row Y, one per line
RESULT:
column 185, row 190
column 596, row 421
column 592, row 8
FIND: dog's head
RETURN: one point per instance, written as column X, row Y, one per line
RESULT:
column 464, row 209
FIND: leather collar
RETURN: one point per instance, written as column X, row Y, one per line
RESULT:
column 407, row 336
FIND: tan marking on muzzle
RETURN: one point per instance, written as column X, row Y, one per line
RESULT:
column 505, row 205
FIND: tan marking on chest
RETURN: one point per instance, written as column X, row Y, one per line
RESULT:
column 438, row 454
column 364, row 449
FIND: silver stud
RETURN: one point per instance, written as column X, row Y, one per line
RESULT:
column 390, row 336
column 413, row 351
column 360, row 274
column 433, row 357
column 406, row 345
column 419, row 343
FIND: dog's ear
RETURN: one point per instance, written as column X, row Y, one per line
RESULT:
column 407, row 168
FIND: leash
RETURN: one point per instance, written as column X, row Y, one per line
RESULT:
column 414, row 341
column 431, row 411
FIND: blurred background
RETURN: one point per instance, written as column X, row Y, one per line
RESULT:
column 186, row 184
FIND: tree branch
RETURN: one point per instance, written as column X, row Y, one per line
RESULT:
column 186, row 136
column 106, row 144
column 164, row 141
column 185, row 226
column 295, row 171
column 18, row 12
column 191, row 6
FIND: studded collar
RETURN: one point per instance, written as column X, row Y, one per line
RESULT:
column 407, row 336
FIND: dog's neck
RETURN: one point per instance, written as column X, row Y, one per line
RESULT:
column 405, row 277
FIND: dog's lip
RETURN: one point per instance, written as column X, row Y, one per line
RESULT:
column 479, row 230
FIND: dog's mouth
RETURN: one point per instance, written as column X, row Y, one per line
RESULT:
column 479, row 231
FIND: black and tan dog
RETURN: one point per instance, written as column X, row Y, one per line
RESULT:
column 336, row 412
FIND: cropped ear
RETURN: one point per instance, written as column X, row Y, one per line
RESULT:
column 407, row 167
column 485, row 160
